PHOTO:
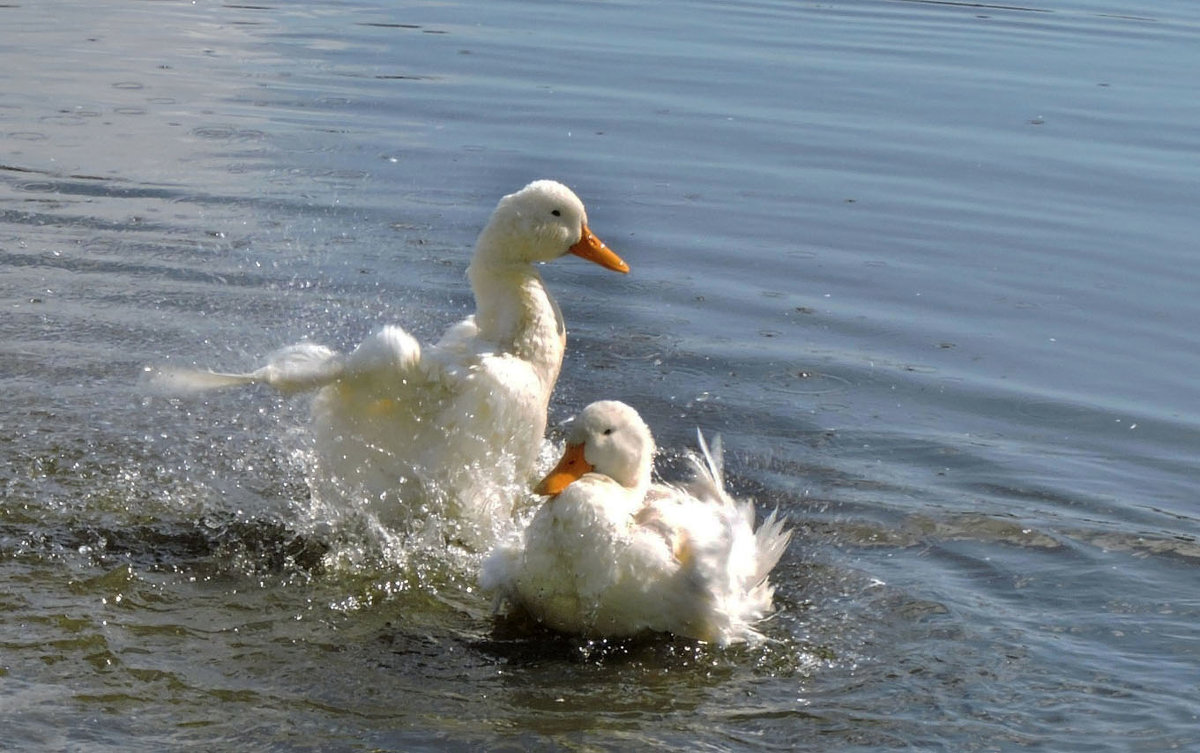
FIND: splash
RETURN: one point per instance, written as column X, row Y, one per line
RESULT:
column 417, row 525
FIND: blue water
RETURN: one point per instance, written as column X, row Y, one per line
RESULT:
column 926, row 266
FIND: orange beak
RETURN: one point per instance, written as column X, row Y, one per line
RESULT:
column 593, row 249
column 572, row 466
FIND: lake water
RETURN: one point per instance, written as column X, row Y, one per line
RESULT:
column 928, row 267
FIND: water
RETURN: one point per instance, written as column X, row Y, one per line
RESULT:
column 926, row 266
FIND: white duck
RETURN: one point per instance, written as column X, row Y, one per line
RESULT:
column 610, row 554
column 454, row 429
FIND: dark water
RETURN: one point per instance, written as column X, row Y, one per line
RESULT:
column 927, row 266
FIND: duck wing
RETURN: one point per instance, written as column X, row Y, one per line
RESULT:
column 296, row 368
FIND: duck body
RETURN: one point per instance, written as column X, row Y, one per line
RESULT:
column 452, row 430
column 616, row 555
column 457, row 427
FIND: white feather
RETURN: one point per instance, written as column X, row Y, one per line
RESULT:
column 296, row 368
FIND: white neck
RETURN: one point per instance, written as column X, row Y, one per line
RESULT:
column 514, row 311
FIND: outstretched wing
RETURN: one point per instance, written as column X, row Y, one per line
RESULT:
column 296, row 368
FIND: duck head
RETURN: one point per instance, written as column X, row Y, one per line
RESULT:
column 608, row 438
column 539, row 223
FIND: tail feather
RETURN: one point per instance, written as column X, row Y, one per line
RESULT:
column 296, row 368
column 753, row 598
column 708, row 471
column 750, row 592
column 770, row 542
column 770, row 538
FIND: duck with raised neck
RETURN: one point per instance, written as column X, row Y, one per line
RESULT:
column 451, row 432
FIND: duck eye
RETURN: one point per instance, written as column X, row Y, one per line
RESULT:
column 609, row 431
column 556, row 213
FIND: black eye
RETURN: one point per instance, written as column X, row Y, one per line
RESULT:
column 608, row 431
column 556, row 213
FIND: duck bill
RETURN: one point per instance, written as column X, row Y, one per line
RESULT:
column 593, row 249
column 569, row 470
